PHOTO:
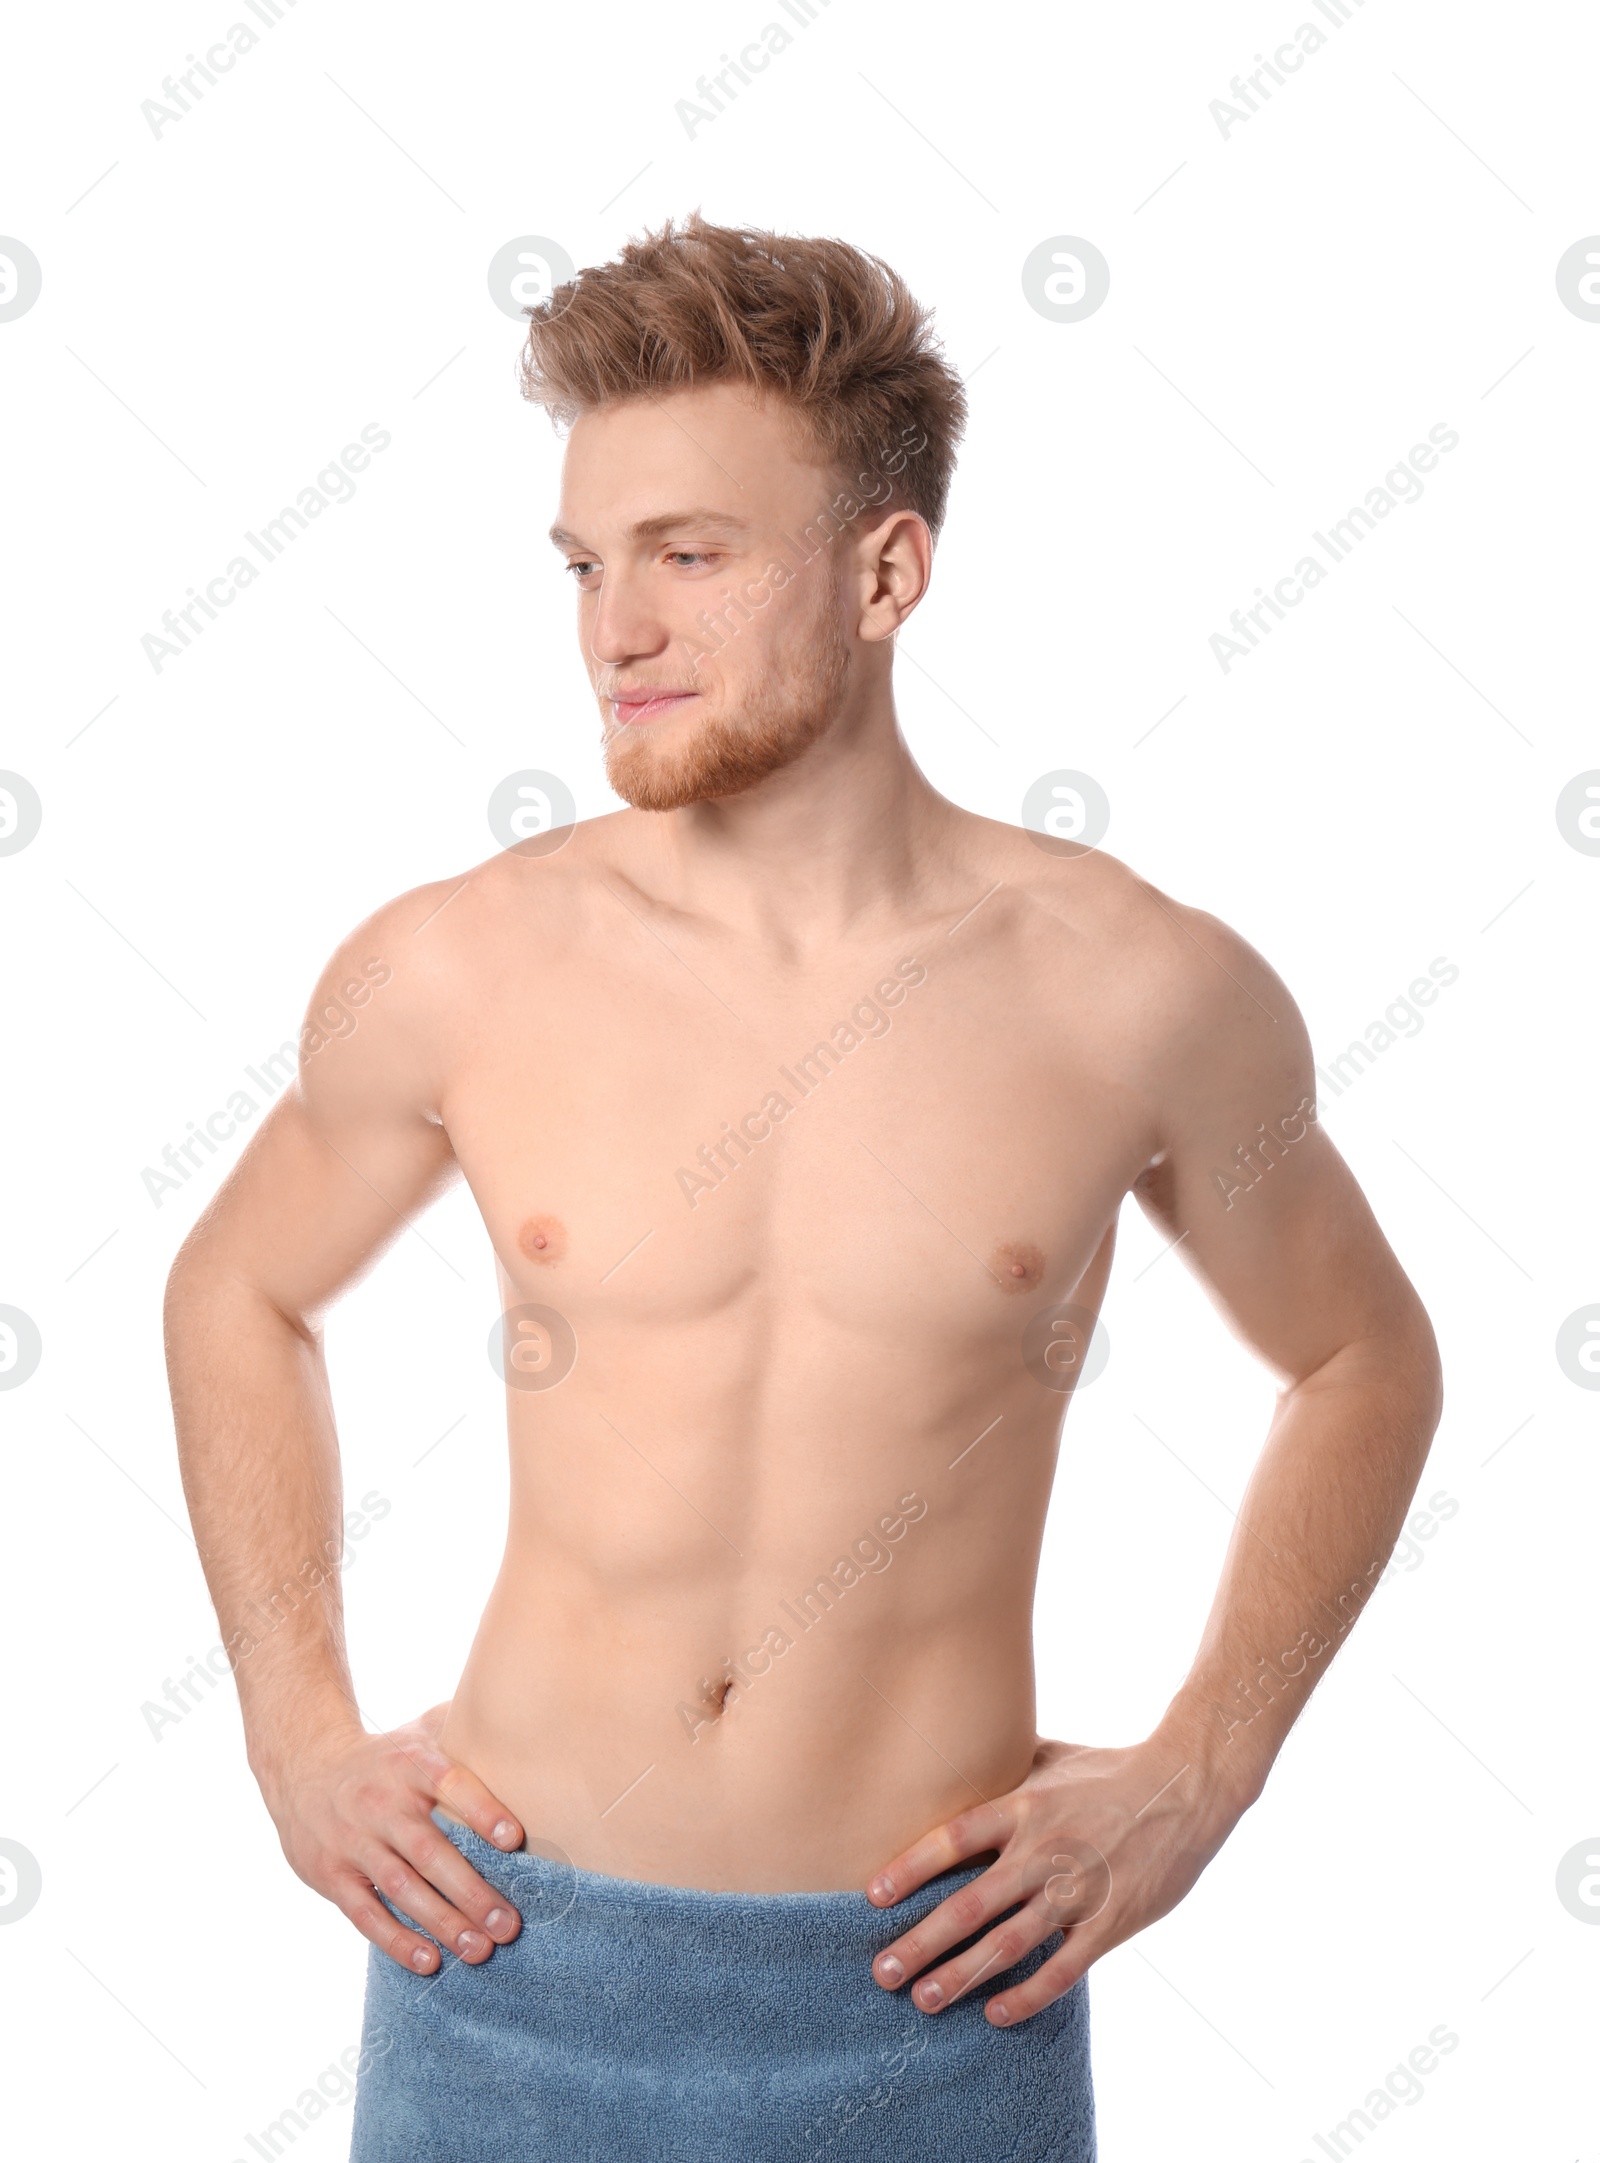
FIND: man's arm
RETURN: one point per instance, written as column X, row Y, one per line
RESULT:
column 346, row 1157
column 1272, row 1222
column 1284, row 1241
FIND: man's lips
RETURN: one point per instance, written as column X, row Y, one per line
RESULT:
column 644, row 706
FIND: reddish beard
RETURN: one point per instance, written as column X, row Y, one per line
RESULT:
column 776, row 721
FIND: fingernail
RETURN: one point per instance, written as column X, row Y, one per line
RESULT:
column 998, row 2014
column 890, row 1969
column 882, row 1889
column 496, row 1919
column 505, row 1832
column 932, row 1995
column 422, row 1958
column 471, row 1941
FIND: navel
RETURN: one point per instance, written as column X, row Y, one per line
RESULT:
column 716, row 1694
column 1017, row 1268
column 542, row 1239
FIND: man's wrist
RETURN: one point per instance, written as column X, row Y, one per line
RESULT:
column 279, row 1749
column 1227, row 1766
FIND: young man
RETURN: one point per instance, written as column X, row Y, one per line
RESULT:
column 799, row 1105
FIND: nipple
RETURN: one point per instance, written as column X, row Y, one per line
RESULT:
column 542, row 1239
column 1017, row 1268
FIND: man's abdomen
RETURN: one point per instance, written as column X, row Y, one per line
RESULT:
column 785, row 1719
column 765, row 1611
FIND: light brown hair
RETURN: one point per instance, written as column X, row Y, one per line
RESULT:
column 832, row 331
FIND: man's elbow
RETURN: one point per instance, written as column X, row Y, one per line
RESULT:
column 1415, row 1368
column 193, row 1272
column 210, row 1280
column 1395, row 1358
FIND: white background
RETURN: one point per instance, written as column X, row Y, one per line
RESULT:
column 1291, row 308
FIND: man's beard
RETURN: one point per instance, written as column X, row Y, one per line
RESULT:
column 724, row 757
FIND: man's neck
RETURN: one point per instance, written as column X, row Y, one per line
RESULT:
column 810, row 857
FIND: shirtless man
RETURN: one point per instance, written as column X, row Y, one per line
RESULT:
column 799, row 1105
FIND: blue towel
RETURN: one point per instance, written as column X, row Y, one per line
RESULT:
column 640, row 2023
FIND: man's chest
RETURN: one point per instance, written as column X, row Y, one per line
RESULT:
column 913, row 1148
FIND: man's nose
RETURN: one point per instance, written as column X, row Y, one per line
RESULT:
column 627, row 623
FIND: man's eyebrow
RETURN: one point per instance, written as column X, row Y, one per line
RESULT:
column 652, row 529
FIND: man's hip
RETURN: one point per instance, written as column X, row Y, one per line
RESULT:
column 645, row 2023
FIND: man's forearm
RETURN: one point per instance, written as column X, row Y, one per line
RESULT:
column 260, row 1465
column 1316, row 1528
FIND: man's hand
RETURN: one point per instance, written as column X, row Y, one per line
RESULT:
column 353, row 1812
column 1097, row 1843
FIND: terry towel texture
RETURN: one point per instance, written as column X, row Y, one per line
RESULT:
column 640, row 2023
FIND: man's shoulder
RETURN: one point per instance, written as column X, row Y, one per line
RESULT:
column 1106, row 907
column 1162, row 993
column 443, row 925
column 427, row 965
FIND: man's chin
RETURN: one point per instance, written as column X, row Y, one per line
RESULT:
column 653, row 784
column 652, row 778
column 639, row 783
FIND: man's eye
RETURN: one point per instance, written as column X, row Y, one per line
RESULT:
column 587, row 565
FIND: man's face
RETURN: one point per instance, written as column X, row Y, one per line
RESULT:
column 685, row 522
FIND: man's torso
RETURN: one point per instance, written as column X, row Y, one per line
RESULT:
column 786, row 1413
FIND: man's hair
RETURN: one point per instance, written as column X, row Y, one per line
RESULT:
column 833, row 332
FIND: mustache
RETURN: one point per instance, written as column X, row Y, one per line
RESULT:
column 691, row 678
column 611, row 729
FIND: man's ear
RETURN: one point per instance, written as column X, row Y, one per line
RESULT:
column 897, row 562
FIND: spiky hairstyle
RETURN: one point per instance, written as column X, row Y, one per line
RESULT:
column 833, row 331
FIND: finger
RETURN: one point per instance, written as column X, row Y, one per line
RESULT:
column 986, row 1825
column 463, row 1794
column 966, row 1910
column 390, row 1873
column 997, row 1950
column 465, row 1797
column 1052, row 1980
column 441, row 1864
column 355, row 1899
